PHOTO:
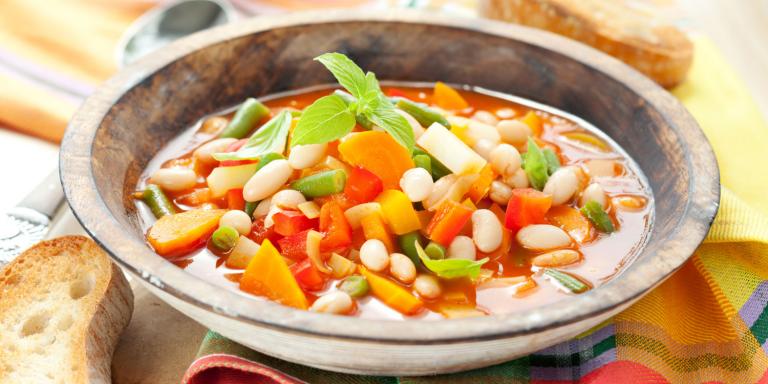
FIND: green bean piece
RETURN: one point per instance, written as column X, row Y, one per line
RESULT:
column 553, row 163
column 423, row 161
column 360, row 119
column 157, row 201
column 268, row 158
column 250, row 206
column 225, row 238
column 570, row 282
column 425, row 115
column 597, row 215
column 321, row 184
column 435, row 251
column 407, row 244
column 438, row 169
column 246, row 117
column 355, row 286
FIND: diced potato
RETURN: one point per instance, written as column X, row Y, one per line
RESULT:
column 222, row 179
column 449, row 150
column 341, row 267
column 242, row 253
column 356, row 214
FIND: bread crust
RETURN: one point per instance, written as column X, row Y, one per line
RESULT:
column 62, row 302
column 660, row 51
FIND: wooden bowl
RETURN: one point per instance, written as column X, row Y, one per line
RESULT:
column 119, row 129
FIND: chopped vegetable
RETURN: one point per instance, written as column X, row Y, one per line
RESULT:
column 355, row 286
column 425, row 115
column 308, row 276
column 398, row 211
column 242, row 253
column 356, row 214
column 571, row 221
column 270, row 138
column 535, row 165
column 268, row 275
column 260, row 232
column 423, row 161
column 313, row 251
column 310, row 209
column 379, row 153
column 451, row 268
column 222, row 179
column 341, row 266
column 391, row 293
column 553, row 162
column 526, row 206
column 183, row 232
column 225, row 238
column 374, row 228
column 434, row 251
column 294, row 246
column 449, row 150
column 595, row 213
column 568, row 281
column 448, row 221
column 479, row 189
column 250, row 206
column 438, row 169
column 246, row 117
column 362, row 185
column 235, row 199
column 157, row 202
column 321, row 184
column 195, row 198
column 406, row 241
column 448, row 98
column 338, row 233
column 288, row 223
column 533, row 121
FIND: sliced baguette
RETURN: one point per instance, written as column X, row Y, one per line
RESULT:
column 63, row 305
column 620, row 28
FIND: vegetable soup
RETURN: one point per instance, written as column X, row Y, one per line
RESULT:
column 402, row 201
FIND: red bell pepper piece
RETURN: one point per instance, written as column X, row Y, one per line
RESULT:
column 235, row 199
column 259, row 232
column 338, row 233
column 292, row 222
column 362, row 185
column 526, row 206
column 308, row 277
column 294, row 246
column 234, row 147
column 448, row 222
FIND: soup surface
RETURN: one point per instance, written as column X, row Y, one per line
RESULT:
column 502, row 205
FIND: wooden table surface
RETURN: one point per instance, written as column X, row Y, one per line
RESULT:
column 160, row 342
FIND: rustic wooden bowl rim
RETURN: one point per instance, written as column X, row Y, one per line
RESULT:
column 133, row 254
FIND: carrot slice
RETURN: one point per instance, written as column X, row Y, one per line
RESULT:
column 392, row 294
column 182, row 232
column 379, row 153
column 268, row 275
column 571, row 221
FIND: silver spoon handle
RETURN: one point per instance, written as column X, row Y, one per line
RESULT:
column 47, row 196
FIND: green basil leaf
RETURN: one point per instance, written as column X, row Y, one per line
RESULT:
column 597, row 215
column 327, row 119
column 535, row 165
column 346, row 72
column 385, row 116
column 553, row 163
column 450, row 268
column 270, row 137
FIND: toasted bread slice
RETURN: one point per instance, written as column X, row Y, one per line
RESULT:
column 617, row 27
column 63, row 305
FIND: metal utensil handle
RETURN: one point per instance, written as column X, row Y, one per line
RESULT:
column 47, row 196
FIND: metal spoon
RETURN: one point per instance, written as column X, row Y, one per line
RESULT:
column 168, row 22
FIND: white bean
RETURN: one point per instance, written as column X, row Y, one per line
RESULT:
column 485, row 117
column 427, row 286
column 486, row 230
column 262, row 209
column 514, row 132
column 204, row 153
column 267, row 180
column 337, row 303
column 462, row 247
column 417, row 184
column 288, row 199
column 500, row 193
column 402, row 268
column 374, row 256
column 505, row 159
column 238, row 220
column 417, row 129
column 594, row 192
column 542, row 237
column 484, row 147
column 174, row 179
column 517, row 180
column 305, row 156
column 562, row 185
column 558, row 258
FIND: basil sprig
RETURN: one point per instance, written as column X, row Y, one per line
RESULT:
column 330, row 118
column 535, row 165
column 270, row 137
column 450, row 268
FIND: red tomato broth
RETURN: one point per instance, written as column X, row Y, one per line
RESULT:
column 603, row 258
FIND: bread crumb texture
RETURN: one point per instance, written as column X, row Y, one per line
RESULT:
column 63, row 305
